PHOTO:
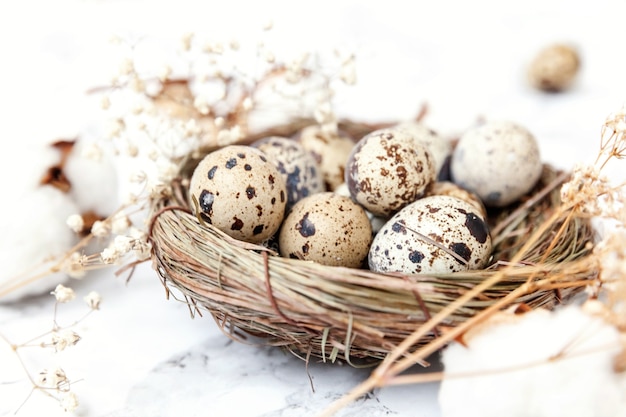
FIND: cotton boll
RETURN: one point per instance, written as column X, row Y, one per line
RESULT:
column 34, row 231
column 538, row 364
column 93, row 178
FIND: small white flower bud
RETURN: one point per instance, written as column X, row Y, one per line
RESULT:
column 69, row 402
column 63, row 294
column 93, row 300
column 75, row 222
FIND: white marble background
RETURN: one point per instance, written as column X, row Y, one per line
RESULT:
column 142, row 355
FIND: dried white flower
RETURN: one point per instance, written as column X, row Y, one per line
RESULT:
column 75, row 222
column 100, row 228
column 93, row 300
column 75, row 265
column 201, row 105
column 109, row 255
column 229, row 136
column 63, row 339
column 127, row 66
column 138, row 177
column 120, row 223
column 123, row 244
column 69, row 402
column 63, row 294
column 247, row 104
column 54, row 378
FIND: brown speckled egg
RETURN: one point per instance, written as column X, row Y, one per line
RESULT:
column 453, row 190
column 331, row 152
column 433, row 235
column 239, row 191
column 326, row 228
column 298, row 167
column 439, row 147
column 387, row 170
column 499, row 161
column 554, row 68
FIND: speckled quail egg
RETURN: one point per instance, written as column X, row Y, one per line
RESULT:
column 554, row 68
column 388, row 169
column 377, row 222
column 499, row 161
column 433, row 235
column 298, row 167
column 326, row 228
column 439, row 147
column 239, row 191
column 331, row 151
column 453, row 190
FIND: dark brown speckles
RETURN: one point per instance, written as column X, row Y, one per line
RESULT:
column 259, row 210
column 416, row 256
column 477, row 227
column 258, row 229
column 231, row 163
column 237, row 224
column 271, row 179
column 211, row 172
column 247, row 167
column 206, row 202
column 241, row 155
column 273, row 201
column 250, row 192
column 305, row 226
column 462, row 250
column 282, row 196
column 398, row 228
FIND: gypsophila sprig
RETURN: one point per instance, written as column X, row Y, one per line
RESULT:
column 54, row 382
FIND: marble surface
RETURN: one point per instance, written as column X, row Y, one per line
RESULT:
column 142, row 355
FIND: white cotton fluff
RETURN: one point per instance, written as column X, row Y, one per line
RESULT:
column 581, row 383
column 34, row 230
column 93, row 178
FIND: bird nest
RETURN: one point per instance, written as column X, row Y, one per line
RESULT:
column 356, row 315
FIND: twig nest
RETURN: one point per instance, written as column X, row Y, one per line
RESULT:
column 433, row 235
column 239, row 191
column 387, row 170
column 554, row 68
column 499, row 161
column 327, row 228
column 298, row 167
column 331, row 151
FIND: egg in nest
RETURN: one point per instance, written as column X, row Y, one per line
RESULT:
column 240, row 192
column 433, row 235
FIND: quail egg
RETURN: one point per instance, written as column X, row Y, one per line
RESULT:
column 433, row 235
column 499, row 161
column 239, row 191
column 453, row 190
column 554, row 68
column 326, row 228
column 440, row 148
column 298, row 167
column 331, row 151
column 388, row 169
